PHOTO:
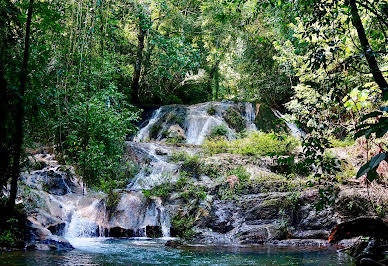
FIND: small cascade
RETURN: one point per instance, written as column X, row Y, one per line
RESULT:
column 199, row 123
column 250, row 116
column 195, row 120
column 158, row 170
column 81, row 227
column 294, row 130
column 144, row 133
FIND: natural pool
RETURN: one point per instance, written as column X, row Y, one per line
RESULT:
column 108, row 251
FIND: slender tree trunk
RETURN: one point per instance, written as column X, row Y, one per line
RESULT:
column 138, row 63
column 4, row 114
column 213, row 74
column 371, row 59
column 19, row 116
column 217, row 81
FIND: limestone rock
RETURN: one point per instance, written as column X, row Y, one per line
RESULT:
column 175, row 131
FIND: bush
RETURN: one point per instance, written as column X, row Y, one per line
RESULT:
column 192, row 165
column 234, row 120
column 256, row 144
column 182, row 226
column 218, row 131
column 211, row 110
column 162, row 191
column 241, row 173
column 177, row 157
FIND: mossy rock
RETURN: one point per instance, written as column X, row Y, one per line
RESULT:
column 266, row 120
column 234, row 119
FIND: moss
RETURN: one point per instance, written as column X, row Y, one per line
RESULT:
column 234, row 120
column 211, row 110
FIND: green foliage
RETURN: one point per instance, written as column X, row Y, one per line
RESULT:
column 255, row 144
column 211, row 170
column 175, row 140
column 379, row 129
column 234, row 120
column 241, row 173
column 182, row 226
column 193, row 165
column 211, row 110
column 112, row 200
column 218, row 131
column 176, row 157
column 162, row 191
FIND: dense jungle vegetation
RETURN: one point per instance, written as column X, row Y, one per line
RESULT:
column 75, row 76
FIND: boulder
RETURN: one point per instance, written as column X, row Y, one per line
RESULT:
column 175, row 131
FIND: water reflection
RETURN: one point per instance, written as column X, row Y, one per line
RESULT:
column 105, row 251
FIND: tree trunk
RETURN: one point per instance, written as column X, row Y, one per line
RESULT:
column 137, row 70
column 371, row 59
column 19, row 116
column 217, row 81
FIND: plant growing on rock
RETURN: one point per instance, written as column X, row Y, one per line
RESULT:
column 234, row 120
column 218, row 131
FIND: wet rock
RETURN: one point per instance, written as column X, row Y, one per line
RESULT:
column 222, row 216
column 121, row 232
column 301, row 242
column 57, row 228
column 310, row 234
column 57, row 243
column 174, row 243
column 153, row 231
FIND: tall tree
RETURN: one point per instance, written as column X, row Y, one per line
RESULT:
column 367, row 49
column 19, row 116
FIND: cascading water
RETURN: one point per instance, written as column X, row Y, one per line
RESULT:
column 294, row 130
column 199, row 120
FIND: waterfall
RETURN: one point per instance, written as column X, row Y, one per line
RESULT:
column 81, row 227
column 250, row 116
column 158, row 170
column 144, row 133
column 294, row 130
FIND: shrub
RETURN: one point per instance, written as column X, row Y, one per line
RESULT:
column 241, row 173
column 211, row 110
column 234, row 120
column 182, row 226
column 177, row 157
column 192, row 165
column 218, row 131
column 256, row 144
column 162, row 191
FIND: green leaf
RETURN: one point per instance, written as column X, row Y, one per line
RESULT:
column 370, row 115
column 372, row 164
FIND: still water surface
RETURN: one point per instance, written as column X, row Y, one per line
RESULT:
column 105, row 251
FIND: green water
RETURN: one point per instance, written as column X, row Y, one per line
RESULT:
column 151, row 252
